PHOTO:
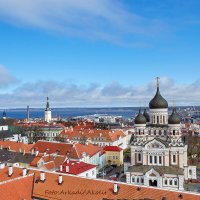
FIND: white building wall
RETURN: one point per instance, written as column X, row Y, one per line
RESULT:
column 92, row 173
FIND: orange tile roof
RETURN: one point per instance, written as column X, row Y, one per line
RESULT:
column 35, row 161
column 53, row 147
column 93, row 134
column 16, row 146
column 17, row 189
column 76, row 188
column 49, row 165
column 58, row 160
column 89, row 149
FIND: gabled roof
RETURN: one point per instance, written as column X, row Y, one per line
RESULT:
column 89, row 149
column 165, row 143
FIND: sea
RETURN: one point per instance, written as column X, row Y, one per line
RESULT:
column 21, row 113
column 125, row 112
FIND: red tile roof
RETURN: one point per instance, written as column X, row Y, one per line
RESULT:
column 77, row 167
column 113, row 148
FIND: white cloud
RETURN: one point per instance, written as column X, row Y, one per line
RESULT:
column 114, row 94
column 6, row 78
column 94, row 19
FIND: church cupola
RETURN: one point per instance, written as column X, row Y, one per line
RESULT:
column 158, row 102
column 174, row 117
column 140, row 118
column 158, row 108
column 146, row 115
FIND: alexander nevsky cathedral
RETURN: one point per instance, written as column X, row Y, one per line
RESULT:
column 158, row 149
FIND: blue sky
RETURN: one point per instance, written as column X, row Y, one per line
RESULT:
column 98, row 52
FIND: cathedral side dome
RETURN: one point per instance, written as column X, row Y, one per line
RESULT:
column 140, row 119
column 146, row 115
column 174, row 118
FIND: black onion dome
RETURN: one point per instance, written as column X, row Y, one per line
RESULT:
column 140, row 119
column 158, row 101
column 146, row 115
column 174, row 118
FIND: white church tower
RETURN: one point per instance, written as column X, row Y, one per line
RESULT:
column 47, row 112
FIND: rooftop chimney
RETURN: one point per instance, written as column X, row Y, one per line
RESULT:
column 42, row 176
column 116, row 188
column 67, row 169
column 10, row 171
column 2, row 165
column 36, row 153
column 24, row 172
column 60, row 180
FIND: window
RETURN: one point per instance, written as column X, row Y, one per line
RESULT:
column 190, row 172
column 142, row 180
column 160, row 159
column 139, row 156
column 157, row 119
column 165, row 181
column 133, row 179
column 163, row 119
column 150, row 159
column 170, row 182
column 174, row 132
column 174, row 158
column 86, row 174
column 93, row 173
column 138, row 180
column 155, row 159
column 175, row 182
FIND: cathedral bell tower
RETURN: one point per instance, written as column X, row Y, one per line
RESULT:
column 47, row 112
